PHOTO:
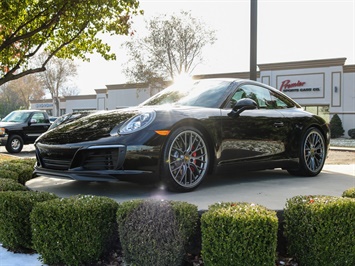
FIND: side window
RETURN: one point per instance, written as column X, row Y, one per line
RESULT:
column 39, row 117
column 280, row 102
column 265, row 98
column 259, row 94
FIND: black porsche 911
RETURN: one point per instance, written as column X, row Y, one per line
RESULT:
column 185, row 132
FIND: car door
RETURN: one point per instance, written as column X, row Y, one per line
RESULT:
column 253, row 134
column 37, row 124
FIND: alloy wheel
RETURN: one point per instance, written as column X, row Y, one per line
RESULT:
column 188, row 159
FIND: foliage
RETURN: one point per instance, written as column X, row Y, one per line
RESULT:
column 7, row 184
column 336, row 127
column 173, row 46
column 17, row 94
column 23, row 168
column 320, row 230
column 239, row 234
column 154, row 232
column 8, row 174
column 351, row 133
column 66, row 29
column 15, row 209
column 349, row 193
column 73, row 231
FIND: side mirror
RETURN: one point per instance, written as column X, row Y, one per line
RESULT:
column 242, row 105
column 33, row 121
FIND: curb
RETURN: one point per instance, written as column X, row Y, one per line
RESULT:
column 335, row 148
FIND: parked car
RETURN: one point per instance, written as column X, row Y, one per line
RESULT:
column 184, row 132
column 22, row 127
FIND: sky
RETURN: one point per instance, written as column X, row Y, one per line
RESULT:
column 287, row 30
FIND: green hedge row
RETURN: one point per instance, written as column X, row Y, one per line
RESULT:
column 320, row 230
column 239, row 234
column 15, row 209
column 19, row 170
column 73, row 231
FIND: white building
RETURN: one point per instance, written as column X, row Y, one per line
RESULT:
column 324, row 87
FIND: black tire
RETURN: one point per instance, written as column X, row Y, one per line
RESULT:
column 14, row 144
column 185, row 160
column 312, row 154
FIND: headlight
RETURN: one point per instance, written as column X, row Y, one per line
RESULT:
column 137, row 122
column 2, row 131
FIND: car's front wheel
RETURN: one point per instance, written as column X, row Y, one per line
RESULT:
column 312, row 154
column 14, row 144
column 186, row 160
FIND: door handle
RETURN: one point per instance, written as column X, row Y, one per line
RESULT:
column 278, row 124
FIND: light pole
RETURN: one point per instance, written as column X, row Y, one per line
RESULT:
column 253, row 37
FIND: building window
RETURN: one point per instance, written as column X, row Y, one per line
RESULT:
column 321, row 110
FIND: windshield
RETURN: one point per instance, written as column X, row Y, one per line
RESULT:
column 203, row 93
column 16, row 116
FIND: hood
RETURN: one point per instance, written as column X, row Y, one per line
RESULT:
column 7, row 124
column 88, row 128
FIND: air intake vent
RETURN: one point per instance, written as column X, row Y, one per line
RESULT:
column 101, row 159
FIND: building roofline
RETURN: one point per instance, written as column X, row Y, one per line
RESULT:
column 127, row 86
column 349, row 69
column 81, row 97
column 101, row 90
column 303, row 64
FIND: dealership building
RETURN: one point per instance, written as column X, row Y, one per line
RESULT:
column 324, row 87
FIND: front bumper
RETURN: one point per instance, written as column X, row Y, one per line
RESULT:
column 3, row 140
column 96, row 162
column 107, row 175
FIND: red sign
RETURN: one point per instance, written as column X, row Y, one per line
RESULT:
column 286, row 84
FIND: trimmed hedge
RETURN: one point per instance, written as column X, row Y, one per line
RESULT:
column 349, row 193
column 239, row 234
column 155, row 232
column 8, row 174
column 23, row 168
column 15, row 209
column 11, row 185
column 320, row 230
column 74, row 231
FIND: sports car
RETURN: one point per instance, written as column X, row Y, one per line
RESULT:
column 185, row 132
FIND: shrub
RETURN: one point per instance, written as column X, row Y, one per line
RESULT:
column 27, row 161
column 75, row 230
column 155, row 232
column 15, row 209
column 351, row 133
column 10, row 185
column 239, row 234
column 336, row 127
column 349, row 193
column 320, row 230
column 8, row 174
column 23, row 169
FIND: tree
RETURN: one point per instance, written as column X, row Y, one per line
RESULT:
column 172, row 47
column 17, row 94
column 336, row 127
column 56, row 79
column 62, row 28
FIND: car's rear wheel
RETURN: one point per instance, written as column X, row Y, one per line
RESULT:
column 312, row 154
column 186, row 160
column 14, row 144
